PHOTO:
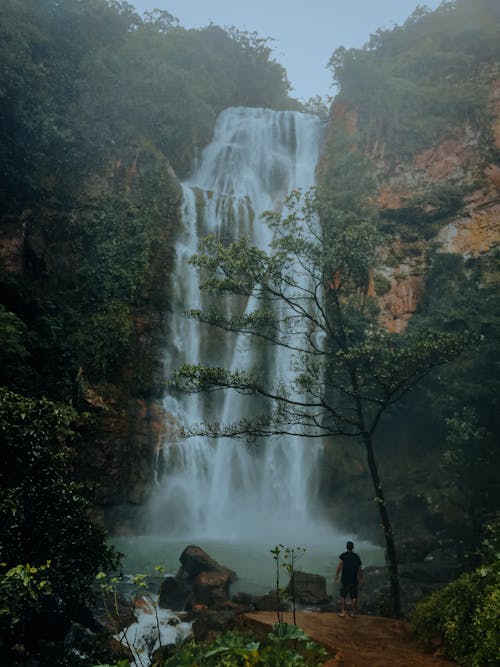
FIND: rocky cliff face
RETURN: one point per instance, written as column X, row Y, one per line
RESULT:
column 455, row 186
column 120, row 443
column 121, row 419
column 445, row 199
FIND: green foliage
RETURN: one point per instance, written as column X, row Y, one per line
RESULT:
column 467, row 455
column 285, row 631
column 465, row 614
column 445, row 198
column 414, row 83
column 45, row 46
column 87, row 90
column 21, row 590
column 14, row 355
column 347, row 182
column 318, row 106
column 189, row 76
column 234, row 649
column 44, row 516
column 382, row 284
column 114, row 245
column 459, row 295
column 98, row 74
column 81, row 313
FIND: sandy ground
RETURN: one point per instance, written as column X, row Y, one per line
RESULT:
column 362, row 641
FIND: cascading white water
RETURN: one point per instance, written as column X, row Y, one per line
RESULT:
column 226, row 490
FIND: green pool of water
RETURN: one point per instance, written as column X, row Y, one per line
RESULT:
column 252, row 562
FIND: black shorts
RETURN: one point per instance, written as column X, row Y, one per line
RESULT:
column 351, row 589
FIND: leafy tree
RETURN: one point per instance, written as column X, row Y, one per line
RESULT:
column 310, row 291
column 49, row 546
column 44, row 46
column 22, row 589
column 468, row 467
column 13, row 352
column 462, row 294
column 318, row 106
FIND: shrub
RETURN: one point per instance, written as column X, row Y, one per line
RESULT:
column 235, row 649
column 382, row 284
column 465, row 615
column 50, row 550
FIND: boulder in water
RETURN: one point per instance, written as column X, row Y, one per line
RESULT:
column 195, row 560
column 268, row 602
column 174, row 594
column 201, row 582
column 310, row 589
column 211, row 589
column 208, row 622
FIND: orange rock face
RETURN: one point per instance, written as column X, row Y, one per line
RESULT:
column 474, row 234
column 387, row 198
column 400, row 302
column 341, row 113
column 445, row 160
column 457, row 160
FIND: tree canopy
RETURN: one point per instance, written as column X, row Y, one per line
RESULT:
column 96, row 105
column 414, row 83
column 80, row 78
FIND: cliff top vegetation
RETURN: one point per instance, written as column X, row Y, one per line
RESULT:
column 414, row 83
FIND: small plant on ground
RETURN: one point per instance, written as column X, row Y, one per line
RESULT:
column 238, row 649
column 110, row 597
column 285, row 558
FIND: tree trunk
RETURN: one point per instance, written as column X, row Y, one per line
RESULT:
column 391, row 561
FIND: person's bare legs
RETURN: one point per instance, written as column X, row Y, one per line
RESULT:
column 342, row 606
column 353, row 607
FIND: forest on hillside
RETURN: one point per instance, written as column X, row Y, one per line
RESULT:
column 85, row 85
column 102, row 112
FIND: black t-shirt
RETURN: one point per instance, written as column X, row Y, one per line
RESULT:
column 352, row 563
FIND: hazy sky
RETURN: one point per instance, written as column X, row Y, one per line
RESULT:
column 306, row 31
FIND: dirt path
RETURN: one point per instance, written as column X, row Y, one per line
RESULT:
column 363, row 641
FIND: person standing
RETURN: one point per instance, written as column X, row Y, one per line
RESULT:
column 352, row 575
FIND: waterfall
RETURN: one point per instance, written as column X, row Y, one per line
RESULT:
column 221, row 489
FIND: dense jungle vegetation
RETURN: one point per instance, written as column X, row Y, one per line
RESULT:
column 414, row 83
column 86, row 86
column 98, row 108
